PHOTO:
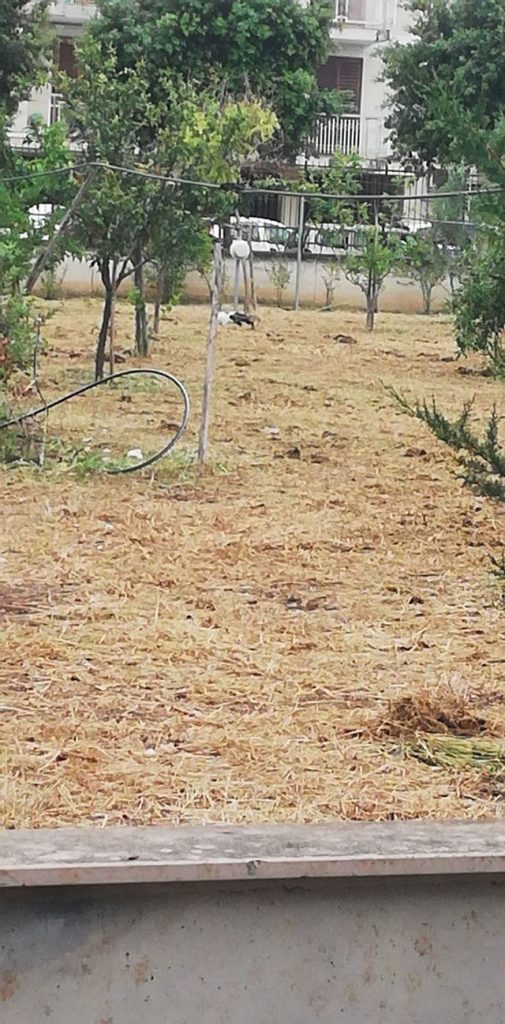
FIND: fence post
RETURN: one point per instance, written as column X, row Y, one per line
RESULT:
column 236, row 281
column 299, row 252
column 251, row 271
column 211, row 351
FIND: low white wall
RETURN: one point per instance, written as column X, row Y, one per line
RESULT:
column 398, row 296
column 355, row 923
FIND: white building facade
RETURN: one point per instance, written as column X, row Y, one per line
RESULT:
column 68, row 19
column 360, row 29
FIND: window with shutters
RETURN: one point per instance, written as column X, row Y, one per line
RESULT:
column 65, row 58
column 343, row 74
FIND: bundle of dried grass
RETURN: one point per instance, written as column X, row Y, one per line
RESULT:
column 452, row 753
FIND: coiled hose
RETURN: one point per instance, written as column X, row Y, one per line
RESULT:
column 106, row 380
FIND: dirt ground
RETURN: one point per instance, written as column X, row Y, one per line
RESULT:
column 267, row 641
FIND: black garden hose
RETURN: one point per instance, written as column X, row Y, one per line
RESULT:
column 105, row 380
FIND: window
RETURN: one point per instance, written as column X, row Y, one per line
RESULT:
column 331, row 238
column 343, row 74
column 351, row 10
column 277, row 235
column 65, row 58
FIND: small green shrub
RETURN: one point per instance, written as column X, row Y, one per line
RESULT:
column 16, row 335
column 50, row 285
column 479, row 305
column 280, row 275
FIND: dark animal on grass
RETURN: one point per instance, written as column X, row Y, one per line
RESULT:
column 235, row 317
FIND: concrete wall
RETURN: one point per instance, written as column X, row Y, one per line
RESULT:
column 399, row 296
column 360, row 924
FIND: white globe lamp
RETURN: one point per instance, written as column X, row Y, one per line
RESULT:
column 240, row 249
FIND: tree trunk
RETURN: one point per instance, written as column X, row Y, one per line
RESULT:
column 246, row 287
column 251, row 278
column 44, row 256
column 104, row 331
column 427, row 299
column 141, row 337
column 371, row 301
column 112, row 333
column 112, row 318
column 158, row 301
column 370, row 317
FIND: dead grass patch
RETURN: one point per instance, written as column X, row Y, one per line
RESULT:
column 235, row 647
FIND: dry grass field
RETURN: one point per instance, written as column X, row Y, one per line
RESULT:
column 272, row 640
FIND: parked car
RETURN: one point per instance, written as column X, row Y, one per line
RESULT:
column 267, row 237
column 326, row 241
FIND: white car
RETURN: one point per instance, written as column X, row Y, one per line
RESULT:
column 267, row 237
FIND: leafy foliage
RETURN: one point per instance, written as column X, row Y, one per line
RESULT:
column 280, row 274
column 424, row 261
column 450, row 212
column 24, row 43
column 16, row 335
column 369, row 266
column 480, row 304
column 22, row 234
column 448, row 86
column 265, row 48
column 448, row 90
column 482, row 459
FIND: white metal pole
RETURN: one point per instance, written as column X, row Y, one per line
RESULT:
column 299, row 252
column 236, row 282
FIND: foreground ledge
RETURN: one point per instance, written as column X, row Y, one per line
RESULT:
column 92, row 856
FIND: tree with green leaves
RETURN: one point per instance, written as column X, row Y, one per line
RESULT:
column 178, row 243
column 185, row 133
column 270, row 49
column 368, row 265
column 423, row 260
column 26, row 184
column 447, row 86
column 24, row 46
column 448, row 108
column 479, row 304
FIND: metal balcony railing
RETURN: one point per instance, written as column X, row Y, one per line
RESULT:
column 350, row 133
column 332, row 134
column 56, row 104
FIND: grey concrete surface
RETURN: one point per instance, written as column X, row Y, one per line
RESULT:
column 397, row 923
column 73, row 856
column 362, row 951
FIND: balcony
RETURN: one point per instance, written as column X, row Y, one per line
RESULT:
column 332, row 134
column 364, row 21
column 349, row 133
column 71, row 12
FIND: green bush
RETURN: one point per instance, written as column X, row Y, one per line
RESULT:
column 16, row 335
column 479, row 305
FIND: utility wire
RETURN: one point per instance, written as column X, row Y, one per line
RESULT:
column 246, row 189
